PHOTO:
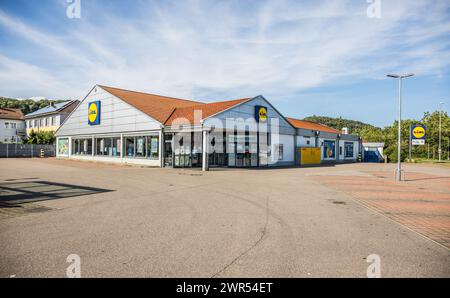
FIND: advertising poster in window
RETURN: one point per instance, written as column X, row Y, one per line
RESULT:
column 140, row 146
column 329, row 149
column 63, row 147
column 154, row 145
column 119, row 145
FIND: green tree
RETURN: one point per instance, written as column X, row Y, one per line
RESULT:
column 41, row 137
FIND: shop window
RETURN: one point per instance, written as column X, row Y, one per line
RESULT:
column 82, row 147
column 329, row 149
column 108, row 147
column 349, row 149
column 182, row 149
column 142, row 147
column 153, row 147
column 116, row 147
column 103, row 146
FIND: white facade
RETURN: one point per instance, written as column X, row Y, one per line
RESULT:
column 306, row 141
column 119, row 121
column 117, row 116
column 11, row 131
column 48, row 121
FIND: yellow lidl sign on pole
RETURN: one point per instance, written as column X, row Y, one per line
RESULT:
column 94, row 110
column 418, row 132
column 261, row 114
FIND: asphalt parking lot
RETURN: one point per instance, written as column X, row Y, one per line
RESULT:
column 128, row 221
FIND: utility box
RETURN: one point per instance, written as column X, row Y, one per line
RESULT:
column 310, row 156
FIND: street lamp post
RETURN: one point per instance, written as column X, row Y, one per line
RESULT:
column 398, row 175
column 440, row 130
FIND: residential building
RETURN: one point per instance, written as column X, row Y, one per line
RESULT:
column 50, row 117
column 12, row 126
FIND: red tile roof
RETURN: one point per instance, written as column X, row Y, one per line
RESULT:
column 158, row 107
column 311, row 125
column 166, row 109
column 186, row 115
column 12, row 114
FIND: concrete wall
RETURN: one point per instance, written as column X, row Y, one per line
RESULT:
column 288, row 151
column 116, row 116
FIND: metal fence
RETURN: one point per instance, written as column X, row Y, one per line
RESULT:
column 26, row 150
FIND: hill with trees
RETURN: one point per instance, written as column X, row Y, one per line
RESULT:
column 339, row 123
column 26, row 105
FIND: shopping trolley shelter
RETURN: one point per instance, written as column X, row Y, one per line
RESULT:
column 117, row 125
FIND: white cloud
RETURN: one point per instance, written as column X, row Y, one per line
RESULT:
column 227, row 49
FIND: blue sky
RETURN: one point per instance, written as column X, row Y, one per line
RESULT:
column 306, row 57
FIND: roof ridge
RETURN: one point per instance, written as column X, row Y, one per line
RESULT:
column 214, row 102
column 207, row 109
column 312, row 122
column 10, row 109
column 146, row 93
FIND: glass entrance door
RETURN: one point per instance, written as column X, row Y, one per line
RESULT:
column 244, row 150
column 263, row 154
column 168, row 153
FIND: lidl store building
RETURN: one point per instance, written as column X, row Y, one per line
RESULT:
column 116, row 125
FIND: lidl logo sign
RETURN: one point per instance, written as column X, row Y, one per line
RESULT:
column 94, row 113
column 418, row 132
column 261, row 114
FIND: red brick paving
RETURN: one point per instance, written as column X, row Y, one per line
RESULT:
column 422, row 202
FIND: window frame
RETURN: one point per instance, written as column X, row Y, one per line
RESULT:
column 346, row 146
